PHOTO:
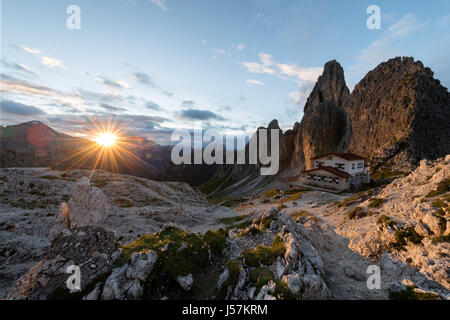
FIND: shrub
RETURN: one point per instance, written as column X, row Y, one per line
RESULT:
column 375, row 203
column 385, row 221
column 443, row 187
column 303, row 213
column 357, row 213
column 264, row 255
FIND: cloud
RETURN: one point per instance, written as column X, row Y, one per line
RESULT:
column 268, row 66
column 111, row 108
column 143, row 78
column 53, row 62
column 29, row 50
column 160, row 3
column 168, row 94
column 18, row 67
column 195, row 114
column 240, row 47
column 19, row 109
column 188, row 103
column 118, row 84
column 153, row 106
column 252, row 82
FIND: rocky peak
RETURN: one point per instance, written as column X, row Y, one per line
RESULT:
column 329, row 87
column 400, row 115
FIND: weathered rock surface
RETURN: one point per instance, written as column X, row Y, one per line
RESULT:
column 400, row 115
column 408, row 226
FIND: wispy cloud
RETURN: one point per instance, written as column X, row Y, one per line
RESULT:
column 29, row 50
column 195, row 114
column 143, row 78
column 18, row 67
column 53, row 62
column 268, row 66
column 385, row 46
column 160, row 3
column 117, row 84
column 253, row 82
column 240, row 47
column 153, row 106
column 19, row 109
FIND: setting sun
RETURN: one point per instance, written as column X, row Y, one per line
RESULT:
column 106, row 139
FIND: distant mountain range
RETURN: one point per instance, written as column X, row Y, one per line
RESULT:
column 34, row 144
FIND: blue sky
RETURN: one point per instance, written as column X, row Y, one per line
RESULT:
column 235, row 64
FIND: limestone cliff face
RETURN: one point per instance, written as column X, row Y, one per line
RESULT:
column 329, row 87
column 325, row 126
column 400, row 114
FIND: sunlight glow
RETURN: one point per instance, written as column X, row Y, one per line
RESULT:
column 106, row 139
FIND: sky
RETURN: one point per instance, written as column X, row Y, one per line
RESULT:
column 234, row 65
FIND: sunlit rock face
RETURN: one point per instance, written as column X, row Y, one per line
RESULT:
column 325, row 126
column 400, row 115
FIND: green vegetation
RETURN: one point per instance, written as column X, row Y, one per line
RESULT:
column 407, row 234
column 412, row 294
column 385, row 174
column 228, row 202
column 261, row 276
column 124, row 203
column 264, row 255
column 216, row 184
column 385, row 221
column 271, row 193
column 439, row 204
column 375, row 202
column 357, row 213
column 231, row 220
column 179, row 253
column 353, row 199
column 443, row 187
column 252, row 230
column 234, row 269
column 303, row 213
column 441, row 239
column 50, row 177
column 293, row 197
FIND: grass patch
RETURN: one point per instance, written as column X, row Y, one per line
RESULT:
column 231, row 220
column 186, row 253
column 386, row 173
column 411, row 294
column 124, row 203
column 443, row 187
column 234, row 270
column 408, row 234
column 293, row 197
column 357, row 213
column 385, row 221
column 439, row 204
column 271, row 193
column 264, row 255
column 441, row 239
column 250, row 231
column 303, row 214
column 261, row 276
column 375, row 203
column 50, row 177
